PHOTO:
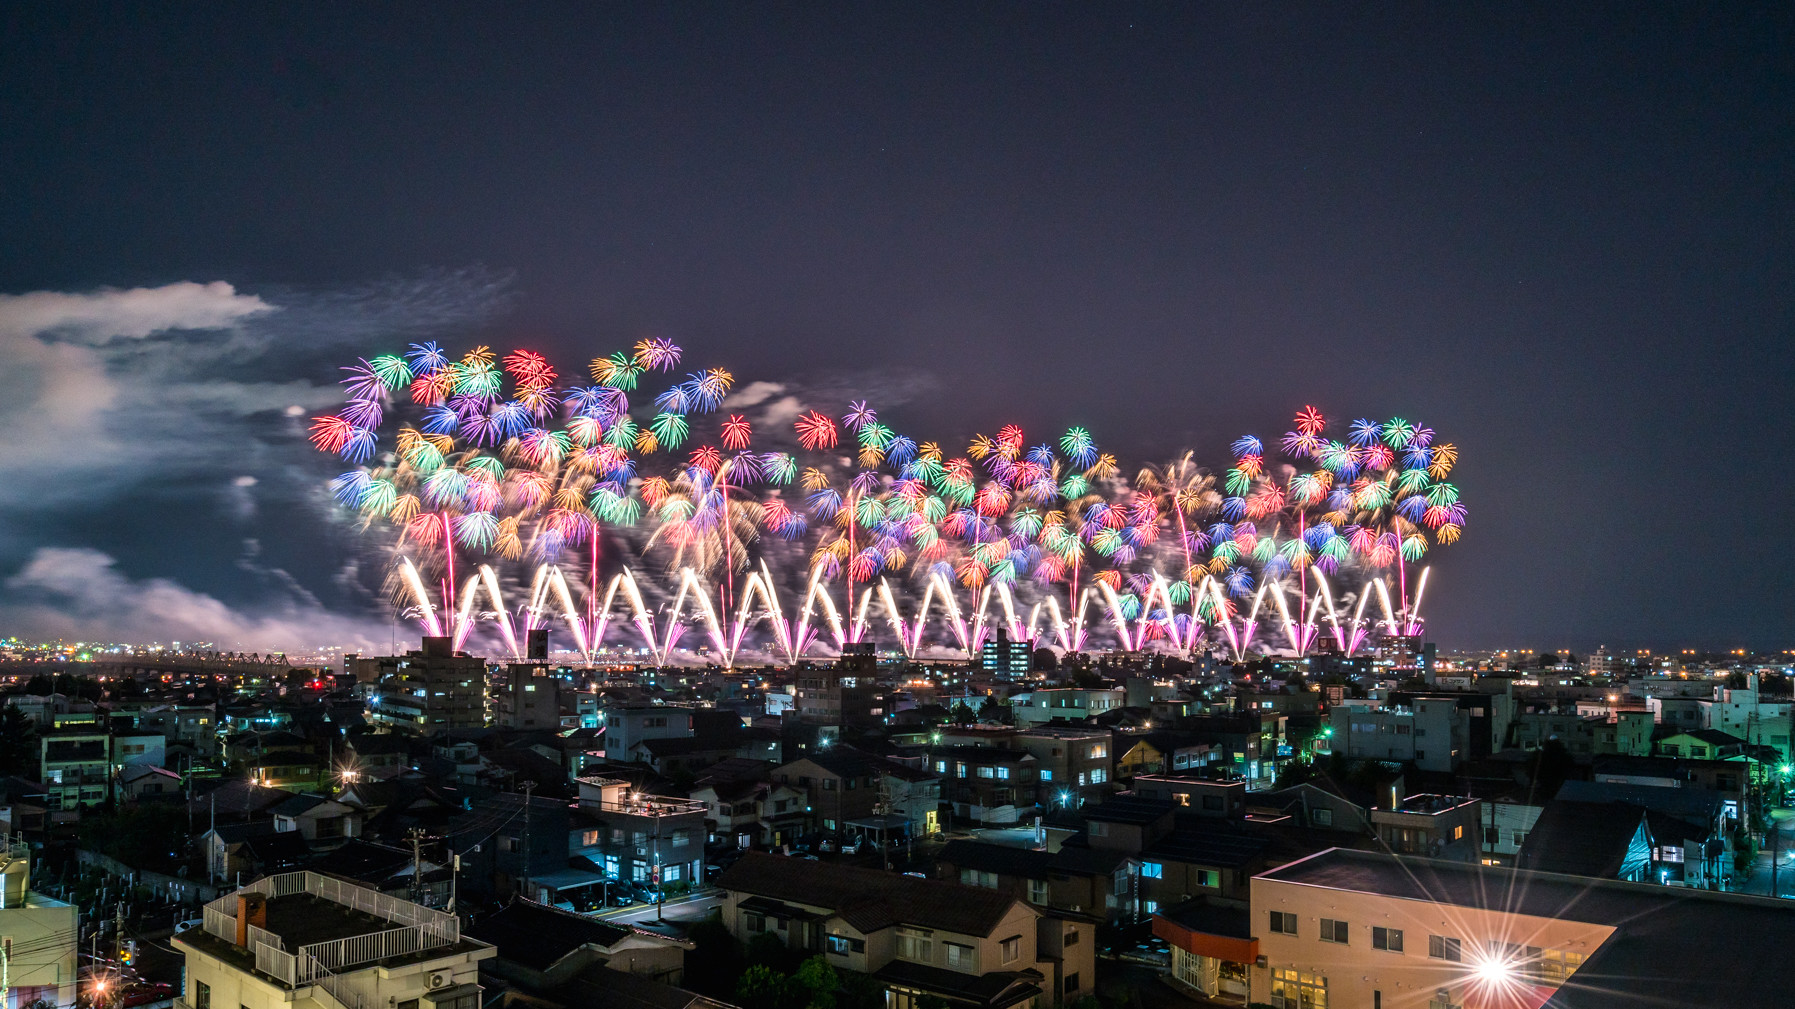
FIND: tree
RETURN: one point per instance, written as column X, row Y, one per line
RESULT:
column 819, row 979
column 18, row 743
column 762, row 987
column 1548, row 659
column 962, row 714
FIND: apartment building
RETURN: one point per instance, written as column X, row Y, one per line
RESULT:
column 1435, row 733
column 974, row 947
column 1438, row 826
column 309, row 939
column 1364, row 930
column 39, row 936
column 430, row 689
column 642, row 838
column 75, row 766
column 1071, row 704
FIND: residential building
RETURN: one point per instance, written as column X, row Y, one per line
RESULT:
column 843, row 694
column 1070, row 704
column 542, row 948
column 974, row 947
column 1608, row 840
column 1360, row 930
column 1506, row 824
column 1438, row 826
column 1435, row 733
column 641, row 838
column 1073, row 880
column 323, row 822
column 987, row 784
column 841, row 784
column 38, row 936
column 746, row 813
column 430, row 690
column 627, row 725
column 1068, row 759
column 530, row 696
column 75, row 766
column 309, row 939
column 1005, row 659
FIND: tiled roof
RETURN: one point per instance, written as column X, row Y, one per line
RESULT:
column 867, row 899
column 538, row 937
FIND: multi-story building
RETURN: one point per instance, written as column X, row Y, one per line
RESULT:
column 75, row 766
column 1005, row 659
column 1435, row 733
column 1363, row 930
column 1071, row 704
column 430, row 690
column 627, row 725
column 303, row 938
column 1438, row 826
column 651, row 839
column 843, row 694
column 1075, row 760
column 986, row 784
column 920, row 939
column 38, row 937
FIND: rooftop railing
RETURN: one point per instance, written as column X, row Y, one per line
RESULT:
column 415, row 928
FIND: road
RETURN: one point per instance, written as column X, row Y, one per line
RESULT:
column 686, row 909
column 1782, row 845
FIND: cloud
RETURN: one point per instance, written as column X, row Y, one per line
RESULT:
column 79, row 594
column 58, row 394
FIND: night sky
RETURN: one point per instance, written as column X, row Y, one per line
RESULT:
column 1560, row 237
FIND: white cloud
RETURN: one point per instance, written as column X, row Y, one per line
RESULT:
column 57, row 394
column 79, row 594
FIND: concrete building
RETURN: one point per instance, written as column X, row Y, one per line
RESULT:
column 1005, row 659
column 1362, row 930
column 303, row 939
column 39, row 937
column 651, row 839
column 75, row 766
column 1434, row 733
column 430, row 690
column 1438, row 826
column 1077, row 761
column 1071, row 704
column 529, row 694
column 627, row 725
column 843, row 694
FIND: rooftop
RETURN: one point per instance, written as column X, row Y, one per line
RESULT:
column 867, row 899
column 1656, row 927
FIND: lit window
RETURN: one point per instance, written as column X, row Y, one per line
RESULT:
column 1152, row 870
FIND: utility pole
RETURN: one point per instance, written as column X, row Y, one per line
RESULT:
column 528, row 785
column 417, row 863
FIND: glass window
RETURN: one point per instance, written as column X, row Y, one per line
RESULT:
column 1322, row 817
column 1012, row 948
column 1283, row 922
column 1209, row 877
column 915, row 944
column 1153, row 870
column 202, row 995
column 1386, row 938
column 1333, row 930
column 1442, row 947
column 1297, row 990
column 961, row 957
column 1037, row 892
column 1046, row 775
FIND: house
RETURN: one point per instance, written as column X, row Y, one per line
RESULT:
column 302, row 938
column 1691, row 828
column 747, row 813
column 1079, row 760
column 987, row 784
column 542, row 948
column 840, row 783
column 238, row 851
column 135, row 781
column 1070, row 881
column 508, row 841
column 375, row 756
column 76, row 766
column 1069, row 704
column 1607, row 840
column 971, row 946
column 321, row 821
column 1439, row 826
column 1700, row 744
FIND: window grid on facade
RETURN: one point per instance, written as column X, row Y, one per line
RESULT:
column 1333, row 930
column 1386, row 938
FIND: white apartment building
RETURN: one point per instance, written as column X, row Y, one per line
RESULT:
column 38, row 936
column 304, row 940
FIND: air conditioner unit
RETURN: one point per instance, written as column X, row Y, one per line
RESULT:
column 441, row 979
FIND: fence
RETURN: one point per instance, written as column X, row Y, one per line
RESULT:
column 419, row 928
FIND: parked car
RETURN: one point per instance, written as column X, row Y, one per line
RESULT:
column 189, row 924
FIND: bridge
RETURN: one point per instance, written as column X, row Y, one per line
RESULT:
column 155, row 663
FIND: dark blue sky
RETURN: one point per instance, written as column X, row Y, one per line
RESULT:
column 1561, row 237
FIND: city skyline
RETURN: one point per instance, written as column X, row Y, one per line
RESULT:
column 1560, row 237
